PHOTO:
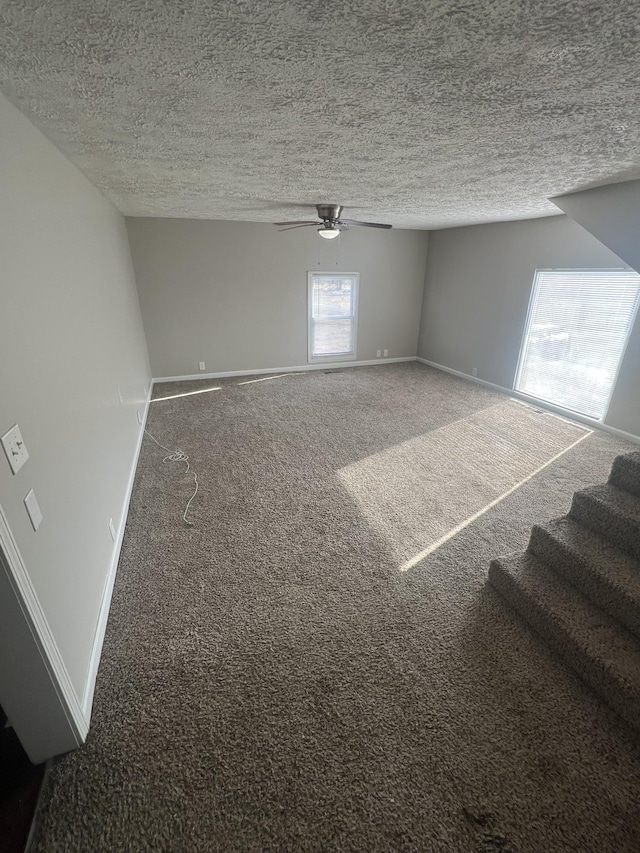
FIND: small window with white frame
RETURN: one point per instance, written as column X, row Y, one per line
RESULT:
column 332, row 315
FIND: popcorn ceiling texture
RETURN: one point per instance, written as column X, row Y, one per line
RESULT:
column 422, row 114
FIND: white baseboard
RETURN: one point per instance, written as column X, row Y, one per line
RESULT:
column 327, row 365
column 105, row 604
column 540, row 404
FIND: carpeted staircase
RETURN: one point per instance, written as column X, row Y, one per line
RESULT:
column 578, row 585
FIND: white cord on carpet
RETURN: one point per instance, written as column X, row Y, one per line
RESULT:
column 179, row 456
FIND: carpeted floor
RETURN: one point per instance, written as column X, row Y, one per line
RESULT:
column 319, row 664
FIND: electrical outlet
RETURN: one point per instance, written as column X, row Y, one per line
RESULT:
column 378, row 353
column 386, row 353
column 112, row 529
column 474, row 372
column 15, row 448
column 202, row 365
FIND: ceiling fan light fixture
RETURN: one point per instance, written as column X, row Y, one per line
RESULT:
column 328, row 232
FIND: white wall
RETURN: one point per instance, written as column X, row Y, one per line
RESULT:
column 477, row 291
column 234, row 294
column 70, row 333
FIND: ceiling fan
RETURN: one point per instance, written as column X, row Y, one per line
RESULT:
column 329, row 221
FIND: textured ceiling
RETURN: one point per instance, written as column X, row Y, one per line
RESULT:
column 421, row 114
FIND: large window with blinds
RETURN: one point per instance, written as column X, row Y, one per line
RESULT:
column 576, row 332
column 333, row 305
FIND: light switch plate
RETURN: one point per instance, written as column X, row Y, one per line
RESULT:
column 15, row 448
column 33, row 508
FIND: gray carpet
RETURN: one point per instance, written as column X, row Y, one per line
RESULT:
column 290, row 675
column 578, row 585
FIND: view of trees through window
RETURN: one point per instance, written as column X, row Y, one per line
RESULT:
column 576, row 332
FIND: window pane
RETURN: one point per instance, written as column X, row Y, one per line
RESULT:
column 332, row 337
column 332, row 297
column 332, row 315
column 578, row 325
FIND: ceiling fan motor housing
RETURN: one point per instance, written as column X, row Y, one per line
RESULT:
column 329, row 212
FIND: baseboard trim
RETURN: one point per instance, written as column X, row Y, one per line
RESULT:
column 42, row 634
column 302, row 368
column 105, row 604
column 557, row 410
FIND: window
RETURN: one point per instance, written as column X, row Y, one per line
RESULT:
column 575, row 336
column 333, row 303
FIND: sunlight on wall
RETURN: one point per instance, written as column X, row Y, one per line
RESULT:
column 419, row 494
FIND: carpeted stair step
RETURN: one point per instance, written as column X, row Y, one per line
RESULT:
column 611, row 512
column 605, row 574
column 604, row 654
column 625, row 473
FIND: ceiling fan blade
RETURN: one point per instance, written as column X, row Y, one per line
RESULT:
column 298, row 222
column 364, row 224
column 303, row 225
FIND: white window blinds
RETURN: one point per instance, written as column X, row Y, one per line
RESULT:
column 576, row 331
column 333, row 299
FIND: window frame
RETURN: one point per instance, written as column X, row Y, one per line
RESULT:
column 351, row 356
column 530, row 310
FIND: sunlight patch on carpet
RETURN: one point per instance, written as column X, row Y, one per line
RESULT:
column 185, row 394
column 268, row 378
column 419, row 494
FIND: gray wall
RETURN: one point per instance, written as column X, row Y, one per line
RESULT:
column 234, row 294
column 477, row 291
column 612, row 214
column 70, row 334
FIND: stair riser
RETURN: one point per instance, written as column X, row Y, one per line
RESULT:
column 591, row 671
column 621, row 531
column 574, row 568
column 625, row 475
